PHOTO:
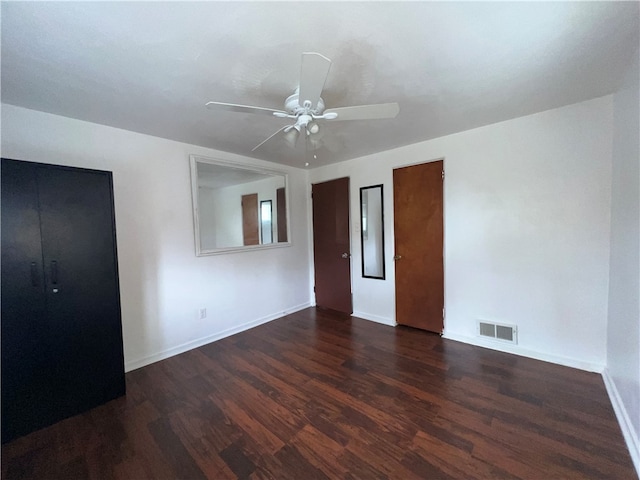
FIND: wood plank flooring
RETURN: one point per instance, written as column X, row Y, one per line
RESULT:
column 316, row 395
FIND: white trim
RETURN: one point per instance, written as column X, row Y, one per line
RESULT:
column 523, row 352
column 185, row 347
column 626, row 426
column 375, row 318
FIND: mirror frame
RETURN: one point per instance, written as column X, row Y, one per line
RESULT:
column 362, row 239
column 200, row 252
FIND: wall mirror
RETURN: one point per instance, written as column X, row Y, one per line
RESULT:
column 372, row 232
column 237, row 207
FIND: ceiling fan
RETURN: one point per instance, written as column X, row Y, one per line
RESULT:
column 306, row 107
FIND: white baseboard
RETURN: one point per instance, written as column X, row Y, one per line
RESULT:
column 523, row 352
column 375, row 318
column 626, row 426
column 185, row 347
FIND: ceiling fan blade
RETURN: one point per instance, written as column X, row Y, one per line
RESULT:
column 313, row 74
column 366, row 112
column 232, row 107
column 269, row 138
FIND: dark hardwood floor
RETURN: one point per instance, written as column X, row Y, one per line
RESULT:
column 315, row 395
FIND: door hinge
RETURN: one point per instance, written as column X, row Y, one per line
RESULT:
column 443, row 174
column 314, row 289
column 443, row 313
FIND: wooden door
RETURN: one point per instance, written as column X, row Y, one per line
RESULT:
column 250, row 231
column 281, row 209
column 418, row 228
column 331, row 246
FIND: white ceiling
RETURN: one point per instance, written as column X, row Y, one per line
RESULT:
column 151, row 66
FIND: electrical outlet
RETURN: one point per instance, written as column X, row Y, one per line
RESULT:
column 203, row 313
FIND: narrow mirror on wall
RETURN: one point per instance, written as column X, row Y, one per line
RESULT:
column 372, row 231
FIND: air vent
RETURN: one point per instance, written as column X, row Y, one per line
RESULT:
column 496, row 331
column 487, row 330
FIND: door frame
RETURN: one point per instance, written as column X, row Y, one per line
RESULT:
column 444, row 235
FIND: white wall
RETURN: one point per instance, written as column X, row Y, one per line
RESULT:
column 527, row 214
column 162, row 283
column 623, row 333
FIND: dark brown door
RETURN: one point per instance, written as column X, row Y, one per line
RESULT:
column 331, row 253
column 281, row 208
column 418, row 227
column 250, row 231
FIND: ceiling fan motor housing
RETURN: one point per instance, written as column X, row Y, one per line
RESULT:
column 293, row 107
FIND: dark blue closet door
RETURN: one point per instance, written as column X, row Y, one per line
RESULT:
column 81, row 286
column 25, row 332
column 62, row 348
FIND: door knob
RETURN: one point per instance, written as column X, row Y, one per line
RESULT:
column 397, row 257
column 345, row 255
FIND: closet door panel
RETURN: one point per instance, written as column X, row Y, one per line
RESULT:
column 25, row 355
column 81, row 287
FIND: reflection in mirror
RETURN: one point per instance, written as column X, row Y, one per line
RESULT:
column 266, row 232
column 234, row 206
column 372, row 232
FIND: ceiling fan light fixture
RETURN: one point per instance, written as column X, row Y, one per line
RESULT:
column 291, row 137
column 313, row 127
